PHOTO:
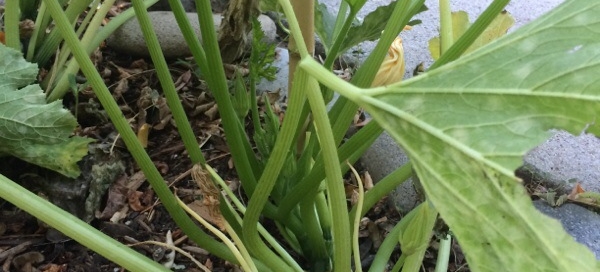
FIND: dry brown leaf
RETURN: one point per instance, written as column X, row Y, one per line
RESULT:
column 212, row 112
column 208, row 207
column 54, row 268
column 122, row 87
column 119, row 191
column 133, row 199
column 183, row 80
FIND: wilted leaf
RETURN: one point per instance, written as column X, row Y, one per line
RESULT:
column 30, row 129
column 460, row 24
column 467, row 125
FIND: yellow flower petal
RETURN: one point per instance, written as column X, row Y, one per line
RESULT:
column 392, row 67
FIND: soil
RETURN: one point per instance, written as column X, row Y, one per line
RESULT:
column 135, row 214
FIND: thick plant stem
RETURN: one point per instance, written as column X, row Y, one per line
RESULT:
column 268, row 179
column 342, row 248
column 350, row 151
column 131, row 141
column 75, row 228
column 243, row 157
column 446, row 33
column 11, row 19
column 305, row 11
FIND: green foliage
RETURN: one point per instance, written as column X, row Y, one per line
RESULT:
column 372, row 26
column 415, row 239
column 30, row 129
column 262, row 55
column 466, row 126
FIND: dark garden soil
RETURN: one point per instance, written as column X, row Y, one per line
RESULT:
column 128, row 210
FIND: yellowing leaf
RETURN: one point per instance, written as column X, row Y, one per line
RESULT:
column 460, row 24
column 30, row 129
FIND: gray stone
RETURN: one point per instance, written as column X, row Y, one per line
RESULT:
column 129, row 39
column 565, row 159
column 383, row 157
column 578, row 221
column 269, row 28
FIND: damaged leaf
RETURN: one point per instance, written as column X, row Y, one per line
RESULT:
column 31, row 129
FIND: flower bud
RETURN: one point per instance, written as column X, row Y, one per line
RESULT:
column 392, row 67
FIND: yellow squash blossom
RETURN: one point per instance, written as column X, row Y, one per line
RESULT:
column 392, row 67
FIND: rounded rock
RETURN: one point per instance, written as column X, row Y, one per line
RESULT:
column 129, row 39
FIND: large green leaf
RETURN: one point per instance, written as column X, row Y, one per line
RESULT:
column 467, row 125
column 30, row 129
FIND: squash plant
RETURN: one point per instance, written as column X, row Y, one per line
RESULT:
column 465, row 125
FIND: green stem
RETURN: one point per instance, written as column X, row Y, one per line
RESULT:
column 342, row 248
column 242, row 209
column 52, row 41
column 399, row 263
column 324, row 217
column 349, row 151
column 62, row 86
column 337, row 44
column 340, row 19
column 164, row 76
column 465, row 41
column 75, row 228
column 446, row 33
column 286, row 6
column 389, row 243
column 131, row 141
column 357, row 217
column 97, row 36
column 11, row 24
column 268, row 179
column 41, row 19
column 245, row 162
column 441, row 264
column 318, row 253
